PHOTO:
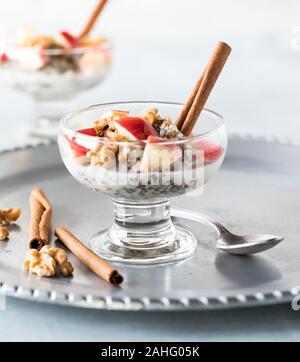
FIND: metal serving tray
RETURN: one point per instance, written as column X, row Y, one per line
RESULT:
column 257, row 190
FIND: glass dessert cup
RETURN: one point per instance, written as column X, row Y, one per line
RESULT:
column 53, row 77
column 142, row 231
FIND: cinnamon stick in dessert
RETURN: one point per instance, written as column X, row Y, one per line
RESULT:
column 40, row 219
column 205, row 85
column 185, row 110
column 87, row 257
column 93, row 18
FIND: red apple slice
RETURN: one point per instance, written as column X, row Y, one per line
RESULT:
column 88, row 131
column 79, row 146
column 134, row 128
column 210, row 151
column 67, row 40
column 159, row 156
column 3, row 58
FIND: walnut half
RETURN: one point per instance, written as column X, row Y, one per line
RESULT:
column 4, row 234
column 9, row 215
column 48, row 262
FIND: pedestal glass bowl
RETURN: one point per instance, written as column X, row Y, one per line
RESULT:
column 142, row 231
column 53, row 77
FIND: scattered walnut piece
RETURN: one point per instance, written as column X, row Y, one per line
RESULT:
column 4, row 234
column 9, row 215
column 63, row 266
column 41, row 264
column 48, row 262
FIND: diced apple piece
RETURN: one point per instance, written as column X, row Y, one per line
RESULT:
column 159, row 156
column 79, row 146
column 67, row 40
column 87, row 142
column 3, row 58
column 91, row 59
column 210, row 151
column 134, row 128
column 88, row 131
column 76, row 148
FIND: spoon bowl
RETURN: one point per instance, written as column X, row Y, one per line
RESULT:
column 248, row 244
column 229, row 242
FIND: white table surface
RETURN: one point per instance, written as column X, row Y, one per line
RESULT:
column 257, row 94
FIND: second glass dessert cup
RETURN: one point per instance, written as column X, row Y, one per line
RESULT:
column 53, row 77
column 142, row 179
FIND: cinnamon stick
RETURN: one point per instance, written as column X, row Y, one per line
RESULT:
column 208, row 80
column 40, row 219
column 93, row 18
column 87, row 257
column 182, row 116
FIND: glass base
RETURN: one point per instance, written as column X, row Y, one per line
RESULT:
column 181, row 248
column 143, row 234
column 44, row 128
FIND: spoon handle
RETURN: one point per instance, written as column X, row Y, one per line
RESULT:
column 196, row 216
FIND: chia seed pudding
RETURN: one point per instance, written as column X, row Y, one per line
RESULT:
column 139, row 157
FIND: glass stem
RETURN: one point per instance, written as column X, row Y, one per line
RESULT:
column 142, row 225
column 51, row 110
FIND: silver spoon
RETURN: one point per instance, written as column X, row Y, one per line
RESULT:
column 229, row 242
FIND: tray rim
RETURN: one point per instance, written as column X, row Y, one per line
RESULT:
column 153, row 304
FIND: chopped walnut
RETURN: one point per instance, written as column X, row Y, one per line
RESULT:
column 106, row 153
column 166, row 128
column 114, row 147
column 113, row 135
column 105, row 157
column 9, row 215
column 105, row 122
column 87, row 41
column 150, row 115
column 48, row 262
column 101, row 126
column 39, row 40
column 4, row 234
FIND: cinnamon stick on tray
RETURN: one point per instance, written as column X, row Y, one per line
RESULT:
column 93, row 18
column 193, row 107
column 87, row 257
column 40, row 219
